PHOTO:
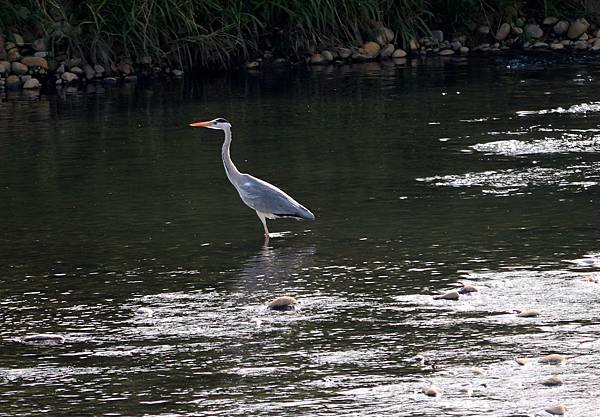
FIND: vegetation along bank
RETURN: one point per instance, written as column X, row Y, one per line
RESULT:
column 62, row 42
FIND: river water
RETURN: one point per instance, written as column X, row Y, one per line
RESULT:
column 422, row 175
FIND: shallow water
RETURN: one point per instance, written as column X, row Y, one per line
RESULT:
column 421, row 176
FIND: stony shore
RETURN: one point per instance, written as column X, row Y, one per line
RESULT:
column 28, row 64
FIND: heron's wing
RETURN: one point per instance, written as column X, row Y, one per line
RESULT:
column 266, row 198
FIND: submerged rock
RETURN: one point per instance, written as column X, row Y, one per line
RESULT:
column 43, row 339
column 530, row 312
column 522, row 361
column 432, row 390
column 283, row 303
column 557, row 409
column 553, row 359
column 553, row 381
column 452, row 295
column 468, row 288
column 144, row 311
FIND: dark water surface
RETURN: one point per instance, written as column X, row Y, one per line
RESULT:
column 421, row 176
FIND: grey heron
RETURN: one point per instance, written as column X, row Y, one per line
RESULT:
column 268, row 201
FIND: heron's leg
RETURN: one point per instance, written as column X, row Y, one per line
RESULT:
column 263, row 219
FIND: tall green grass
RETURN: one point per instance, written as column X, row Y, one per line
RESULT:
column 223, row 32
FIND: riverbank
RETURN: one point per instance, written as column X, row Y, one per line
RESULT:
column 34, row 62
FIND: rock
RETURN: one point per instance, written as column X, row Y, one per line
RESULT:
column 327, row 55
column 283, row 303
column 540, row 45
column 344, row 53
column 68, row 77
column 13, row 81
column 388, row 35
column 317, row 59
column 18, row 39
column 387, row 51
column 19, row 68
column 522, row 361
column 413, row 44
column 89, row 72
column 561, row 27
column 358, row 56
column 99, row 70
column 144, row 311
column 133, row 78
column 553, row 381
column 580, row 45
column 446, row 52
column 399, row 53
column 76, row 70
column 4, row 67
column 464, row 50
column 43, row 339
column 517, row 31
column 503, row 32
column 125, row 68
column 109, row 81
column 452, row 295
column 432, row 391
column 41, row 54
column 519, row 22
column 13, row 54
column 438, row 35
column 177, row 73
column 584, row 37
column 371, row 49
column 556, row 46
column 577, row 28
column 455, row 45
column 550, row 21
column 39, row 45
column 528, row 313
column 557, row 409
column 533, row 31
column 251, row 65
column 33, row 61
column 484, row 30
column 553, row 359
column 32, row 84
column 467, row 288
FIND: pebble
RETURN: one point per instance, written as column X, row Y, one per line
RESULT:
column 18, row 39
column 561, row 27
column 503, row 31
column 432, row 390
column 478, row 371
column 533, row 31
column 39, row 45
column 371, row 49
column 557, row 409
column 557, row 46
column 89, row 72
column 553, row 359
column 399, row 53
column 580, row 45
column 317, row 59
column 283, row 303
column 327, row 55
column 33, row 61
column 550, row 21
column 413, row 44
column 387, row 51
column 464, row 50
column 144, row 311
column 344, row 53
column 452, row 295
column 19, row 68
column 446, row 52
column 577, row 28
column 99, row 69
column 553, row 381
column 177, row 73
column 32, row 84
column 68, row 77
column 249, row 65
column 528, row 313
column 43, row 339
column 76, row 70
column 522, row 361
column 13, row 81
column 468, row 288
column 4, row 67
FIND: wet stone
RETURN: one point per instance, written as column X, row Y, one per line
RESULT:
column 399, row 53
column 503, row 31
column 561, row 27
column 528, row 313
column 68, row 77
column 283, row 303
column 32, row 84
column 19, row 68
column 553, row 359
column 557, row 410
column 553, row 381
column 522, row 361
column 452, row 295
column 387, row 51
column 432, row 391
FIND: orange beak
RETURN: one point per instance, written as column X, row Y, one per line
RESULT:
column 199, row 124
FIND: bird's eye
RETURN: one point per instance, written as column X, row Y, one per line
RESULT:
column 221, row 121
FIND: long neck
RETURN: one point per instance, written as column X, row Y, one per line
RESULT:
column 232, row 172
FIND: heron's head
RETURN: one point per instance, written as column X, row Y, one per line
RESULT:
column 220, row 124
